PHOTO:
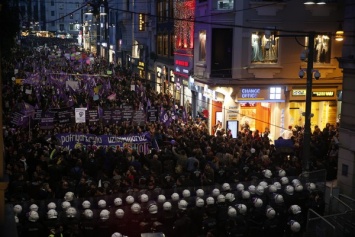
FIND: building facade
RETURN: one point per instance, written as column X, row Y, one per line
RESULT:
column 248, row 54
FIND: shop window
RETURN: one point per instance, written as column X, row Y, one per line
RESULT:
column 202, row 48
column 275, row 93
column 264, row 47
column 223, row 4
column 172, row 44
column 321, row 48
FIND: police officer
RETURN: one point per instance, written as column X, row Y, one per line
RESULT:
column 182, row 225
column 222, row 215
column 196, row 214
column 256, row 218
column 211, row 207
column 168, row 219
column 88, row 224
column 272, row 226
column 51, row 222
column 71, row 222
column 103, row 226
column 119, row 222
column 153, row 219
column 33, row 227
column 136, row 221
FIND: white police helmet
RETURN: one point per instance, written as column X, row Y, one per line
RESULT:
column 272, row 189
column 277, row 185
column 199, row 202
column 33, row 216
column 252, row 150
column 119, row 213
column 144, row 198
column 88, row 214
column 230, row 197
column 200, row 193
column 251, row 189
column 284, row 180
column 279, row 199
column 210, row 201
column 270, row 213
column 295, row 209
column 153, row 208
column 267, row 173
column 66, row 205
column 33, row 207
column 242, row 209
column 295, row 182
column 71, row 212
column 52, row 214
column 298, row 187
column 221, row 198
column 263, row 184
column 161, row 198
column 129, row 199
column 136, row 208
column 167, row 206
column 311, row 186
column 182, row 205
column 102, row 203
column 175, row 197
column 282, row 173
column 51, row 205
column 186, row 193
column 245, row 194
column 215, row 192
column 240, row 187
column 232, row 212
column 86, row 204
column 116, row 234
column 69, row 196
column 289, row 190
column 117, row 201
column 104, row 214
column 17, row 209
column 226, row 187
column 258, row 202
column 295, row 226
column 260, row 190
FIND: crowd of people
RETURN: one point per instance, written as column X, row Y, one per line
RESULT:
column 191, row 183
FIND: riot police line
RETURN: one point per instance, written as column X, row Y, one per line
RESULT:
column 267, row 207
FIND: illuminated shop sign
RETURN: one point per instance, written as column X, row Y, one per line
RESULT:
column 323, row 93
column 298, row 92
column 182, row 63
column 248, row 104
column 141, row 22
column 172, row 75
column 250, row 93
column 141, row 65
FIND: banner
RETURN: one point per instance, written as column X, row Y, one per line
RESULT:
column 139, row 142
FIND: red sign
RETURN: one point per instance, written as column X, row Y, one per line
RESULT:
column 182, row 63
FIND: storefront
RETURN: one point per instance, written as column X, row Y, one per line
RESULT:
column 261, row 108
column 325, row 108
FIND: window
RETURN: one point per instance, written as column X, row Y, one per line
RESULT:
column 172, row 45
column 52, row 3
column 321, row 49
column 275, row 93
column 160, row 45
column 223, row 4
column 160, row 11
column 61, row 17
column 166, row 10
column 61, row 6
column 165, row 45
column 264, row 47
column 52, row 13
column 61, row 27
column 53, row 23
column 202, row 43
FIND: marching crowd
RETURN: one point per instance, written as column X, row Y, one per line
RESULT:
column 191, row 184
